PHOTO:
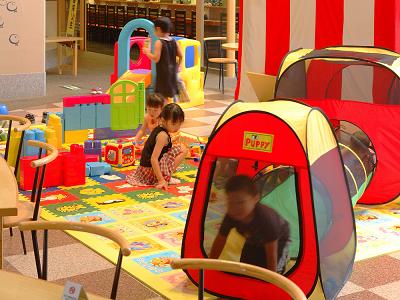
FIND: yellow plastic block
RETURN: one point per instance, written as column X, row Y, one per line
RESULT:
column 76, row 136
column 14, row 143
column 51, row 137
column 54, row 123
column 38, row 126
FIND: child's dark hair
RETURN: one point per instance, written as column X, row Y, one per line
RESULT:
column 173, row 112
column 241, row 183
column 164, row 24
column 155, row 100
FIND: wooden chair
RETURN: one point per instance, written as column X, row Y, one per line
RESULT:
column 130, row 13
column 166, row 13
column 30, row 210
column 141, row 13
column 91, row 13
column 180, row 23
column 24, row 124
column 238, row 268
column 193, row 25
column 153, row 14
column 120, row 20
column 215, row 43
column 111, row 23
column 82, row 227
column 102, row 21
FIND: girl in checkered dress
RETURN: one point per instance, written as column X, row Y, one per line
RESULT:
column 160, row 158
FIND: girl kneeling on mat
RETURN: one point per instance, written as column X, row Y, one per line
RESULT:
column 160, row 158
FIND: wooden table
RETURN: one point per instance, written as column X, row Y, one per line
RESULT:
column 231, row 46
column 8, row 199
column 15, row 286
column 69, row 41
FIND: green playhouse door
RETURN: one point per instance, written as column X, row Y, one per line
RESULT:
column 127, row 105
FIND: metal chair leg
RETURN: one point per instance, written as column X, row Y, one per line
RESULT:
column 23, row 241
column 223, row 79
column 116, row 276
column 236, row 70
column 36, row 253
column 45, row 254
column 201, row 285
column 219, row 77
column 205, row 75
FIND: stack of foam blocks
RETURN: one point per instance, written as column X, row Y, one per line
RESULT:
column 82, row 113
column 68, row 169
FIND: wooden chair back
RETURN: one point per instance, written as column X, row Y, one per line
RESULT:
column 180, row 23
column 130, row 13
column 121, row 17
column 81, row 227
column 24, row 124
column 166, row 13
column 238, row 268
column 153, row 14
column 213, row 47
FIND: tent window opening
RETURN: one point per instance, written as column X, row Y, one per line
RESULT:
column 244, row 226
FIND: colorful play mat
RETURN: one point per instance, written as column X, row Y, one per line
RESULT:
column 153, row 222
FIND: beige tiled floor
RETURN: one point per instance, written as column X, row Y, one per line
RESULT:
column 376, row 278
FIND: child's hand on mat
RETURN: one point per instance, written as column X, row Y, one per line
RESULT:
column 162, row 185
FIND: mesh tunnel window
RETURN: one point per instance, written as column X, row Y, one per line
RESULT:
column 359, row 158
column 277, row 190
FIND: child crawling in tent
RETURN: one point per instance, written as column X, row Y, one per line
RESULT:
column 267, row 233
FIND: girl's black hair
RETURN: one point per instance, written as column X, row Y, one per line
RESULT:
column 241, row 183
column 164, row 24
column 155, row 100
column 173, row 112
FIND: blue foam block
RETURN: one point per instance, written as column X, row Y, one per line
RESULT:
column 88, row 116
column 34, row 134
column 72, row 118
column 103, row 115
column 97, row 168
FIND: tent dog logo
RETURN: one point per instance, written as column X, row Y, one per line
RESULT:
column 258, row 141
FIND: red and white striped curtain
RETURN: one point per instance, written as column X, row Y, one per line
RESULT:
column 269, row 29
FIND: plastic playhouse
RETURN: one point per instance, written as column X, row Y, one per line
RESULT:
column 144, row 70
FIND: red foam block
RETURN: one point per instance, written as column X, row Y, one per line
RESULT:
column 74, row 166
column 87, row 99
column 53, row 176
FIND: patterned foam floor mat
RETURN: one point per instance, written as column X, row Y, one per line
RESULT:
column 153, row 222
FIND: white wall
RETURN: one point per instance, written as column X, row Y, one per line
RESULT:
column 22, row 49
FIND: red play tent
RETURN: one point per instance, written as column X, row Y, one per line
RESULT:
column 318, row 78
column 254, row 137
